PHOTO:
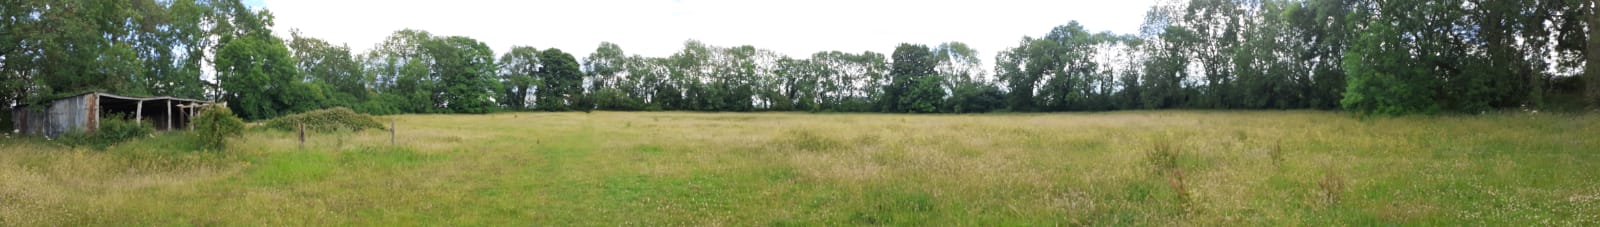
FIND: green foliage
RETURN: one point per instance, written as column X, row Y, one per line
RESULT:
column 517, row 74
column 560, row 81
column 975, row 99
column 925, row 96
column 114, row 129
column 466, row 69
column 332, row 69
column 608, row 88
column 1383, row 77
column 402, row 77
column 260, row 77
column 1462, row 56
column 214, row 126
column 139, row 47
column 614, row 99
column 382, row 105
column 326, row 120
column 915, row 86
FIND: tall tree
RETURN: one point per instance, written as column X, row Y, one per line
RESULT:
column 609, row 89
column 560, row 81
column 257, row 74
column 466, row 69
column 1592, row 51
column 518, row 68
column 401, row 74
column 331, row 67
column 915, row 85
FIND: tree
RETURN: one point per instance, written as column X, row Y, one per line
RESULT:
column 605, row 66
column 560, row 81
column 1064, row 59
column 1167, row 69
column 1382, row 78
column 609, row 89
column 517, row 72
column 1592, row 52
column 259, row 79
column 402, row 77
column 915, row 85
column 970, row 89
column 1020, row 84
column 466, row 69
column 331, row 67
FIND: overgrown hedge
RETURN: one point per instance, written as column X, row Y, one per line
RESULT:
column 326, row 120
column 113, row 129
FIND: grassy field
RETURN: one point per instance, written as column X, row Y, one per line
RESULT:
column 611, row 168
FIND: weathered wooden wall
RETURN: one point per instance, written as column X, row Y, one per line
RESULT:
column 63, row 115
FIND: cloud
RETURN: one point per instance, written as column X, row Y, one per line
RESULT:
column 659, row 28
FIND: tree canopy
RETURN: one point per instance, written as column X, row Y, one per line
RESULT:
column 1364, row 56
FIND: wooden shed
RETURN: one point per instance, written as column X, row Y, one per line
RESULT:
column 84, row 112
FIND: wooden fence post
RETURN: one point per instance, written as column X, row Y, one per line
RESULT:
column 138, row 112
column 169, row 114
column 302, row 127
column 391, row 131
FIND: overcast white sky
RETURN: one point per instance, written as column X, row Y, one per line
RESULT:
column 659, row 27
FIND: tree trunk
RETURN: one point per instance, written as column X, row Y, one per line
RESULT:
column 1592, row 55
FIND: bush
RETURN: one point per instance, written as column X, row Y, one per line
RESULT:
column 214, row 126
column 113, row 129
column 326, row 120
column 1163, row 155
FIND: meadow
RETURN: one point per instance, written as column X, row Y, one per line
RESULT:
column 742, row 169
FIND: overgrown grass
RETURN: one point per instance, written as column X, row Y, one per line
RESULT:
column 113, row 130
column 608, row 168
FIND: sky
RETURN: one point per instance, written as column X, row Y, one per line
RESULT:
column 658, row 28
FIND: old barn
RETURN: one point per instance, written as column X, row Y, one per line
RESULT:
column 84, row 112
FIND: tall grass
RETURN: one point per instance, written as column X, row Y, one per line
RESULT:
column 608, row 168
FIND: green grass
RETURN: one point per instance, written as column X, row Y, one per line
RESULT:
column 787, row 169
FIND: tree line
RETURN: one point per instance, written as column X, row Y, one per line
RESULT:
column 1364, row 56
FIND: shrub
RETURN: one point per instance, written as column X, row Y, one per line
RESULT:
column 214, row 126
column 1163, row 155
column 326, row 120
column 113, row 129
column 1332, row 185
column 118, row 130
